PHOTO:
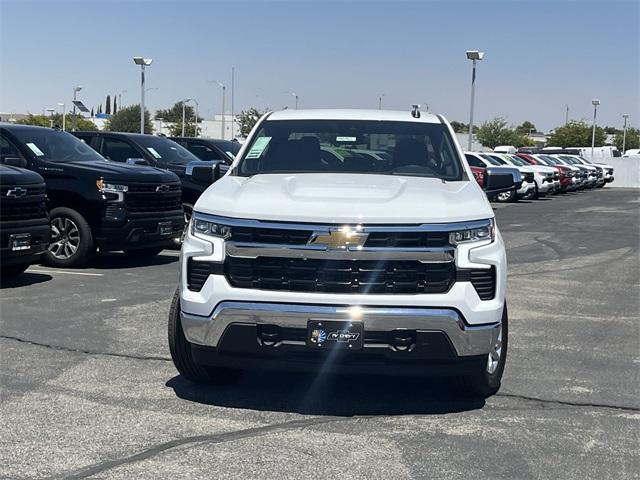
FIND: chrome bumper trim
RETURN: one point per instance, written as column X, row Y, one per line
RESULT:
column 466, row 340
column 255, row 250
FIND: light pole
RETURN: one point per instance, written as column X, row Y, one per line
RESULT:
column 295, row 95
column 624, row 132
column 233, row 97
column 474, row 56
column 184, row 105
column 224, row 90
column 75, row 120
column 51, row 112
column 64, row 116
column 566, row 115
column 143, row 62
column 195, row 131
column 380, row 101
column 595, row 102
column 120, row 98
column 159, row 125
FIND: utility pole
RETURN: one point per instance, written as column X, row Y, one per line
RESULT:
column 624, row 132
column 595, row 102
column 566, row 115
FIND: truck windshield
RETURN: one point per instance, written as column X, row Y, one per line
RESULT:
column 166, row 150
column 493, row 160
column 352, row 146
column 55, row 146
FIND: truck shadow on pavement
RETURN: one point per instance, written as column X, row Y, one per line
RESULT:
column 329, row 394
column 109, row 261
column 24, row 280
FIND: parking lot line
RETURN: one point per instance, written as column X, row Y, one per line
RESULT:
column 67, row 273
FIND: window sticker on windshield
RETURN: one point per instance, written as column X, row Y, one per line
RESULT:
column 258, row 147
column 153, row 152
column 345, row 139
column 34, row 148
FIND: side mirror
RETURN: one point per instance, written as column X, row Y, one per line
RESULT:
column 136, row 161
column 15, row 161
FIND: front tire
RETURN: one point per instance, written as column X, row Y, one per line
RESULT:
column 488, row 382
column 71, row 239
column 508, row 197
column 180, row 350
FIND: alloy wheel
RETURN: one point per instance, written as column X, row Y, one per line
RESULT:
column 493, row 359
column 504, row 196
column 65, row 238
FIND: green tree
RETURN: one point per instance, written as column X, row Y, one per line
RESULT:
column 633, row 139
column 459, row 127
column 108, row 107
column 525, row 128
column 45, row 121
column 576, row 134
column 128, row 120
column 173, row 116
column 497, row 132
column 247, row 119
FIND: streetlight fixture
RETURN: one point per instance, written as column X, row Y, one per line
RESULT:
column 184, row 104
column 380, row 101
column 475, row 56
column 64, row 115
column 75, row 119
column 224, row 90
column 295, row 95
column 143, row 62
column 51, row 112
column 624, row 132
column 595, row 102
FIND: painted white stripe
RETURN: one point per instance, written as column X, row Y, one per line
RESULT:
column 67, row 273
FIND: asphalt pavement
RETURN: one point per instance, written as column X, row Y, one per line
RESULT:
column 88, row 390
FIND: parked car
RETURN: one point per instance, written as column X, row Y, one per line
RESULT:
column 525, row 182
column 571, row 178
column 532, row 159
column 94, row 203
column 542, row 175
column 607, row 170
column 210, row 149
column 24, row 222
column 387, row 267
column 588, row 172
column 195, row 175
column 493, row 181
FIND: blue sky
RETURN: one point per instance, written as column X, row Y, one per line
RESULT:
column 539, row 55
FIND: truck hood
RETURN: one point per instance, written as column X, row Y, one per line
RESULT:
column 345, row 198
column 544, row 168
column 10, row 175
column 116, row 171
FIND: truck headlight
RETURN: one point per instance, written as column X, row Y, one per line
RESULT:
column 211, row 229
column 479, row 234
column 106, row 187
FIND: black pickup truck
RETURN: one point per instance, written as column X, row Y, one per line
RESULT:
column 135, row 148
column 24, row 222
column 94, row 203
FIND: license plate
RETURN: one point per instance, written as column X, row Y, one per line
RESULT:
column 165, row 228
column 328, row 334
column 20, row 242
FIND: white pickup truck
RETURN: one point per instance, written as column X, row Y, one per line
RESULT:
column 347, row 241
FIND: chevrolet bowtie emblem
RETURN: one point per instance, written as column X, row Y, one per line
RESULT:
column 345, row 238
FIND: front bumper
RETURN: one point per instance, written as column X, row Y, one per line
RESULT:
column 139, row 230
column 526, row 189
column 40, row 233
column 466, row 340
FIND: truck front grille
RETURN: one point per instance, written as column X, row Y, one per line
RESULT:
column 24, row 203
column 339, row 276
column 153, row 197
column 277, row 236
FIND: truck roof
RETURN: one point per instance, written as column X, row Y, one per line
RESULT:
column 354, row 114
